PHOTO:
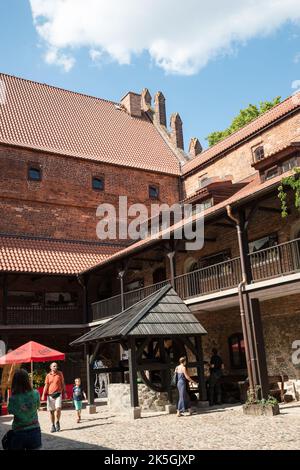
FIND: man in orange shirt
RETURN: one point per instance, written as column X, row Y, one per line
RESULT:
column 55, row 389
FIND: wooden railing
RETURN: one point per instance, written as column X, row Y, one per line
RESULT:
column 271, row 262
column 276, row 261
column 41, row 315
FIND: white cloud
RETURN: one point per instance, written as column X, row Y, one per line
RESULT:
column 53, row 56
column 180, row 36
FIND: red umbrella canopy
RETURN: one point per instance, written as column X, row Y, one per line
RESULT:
column 32, row 352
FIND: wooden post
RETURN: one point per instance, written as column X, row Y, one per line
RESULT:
column 259, row 343
column 134, row 398
column 4, row 299
column 89, row 381
column 200, row 368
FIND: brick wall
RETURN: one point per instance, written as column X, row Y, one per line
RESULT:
column 280, row 318
column 63, row 204
column 238, row 162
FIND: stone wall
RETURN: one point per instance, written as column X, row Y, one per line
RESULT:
column 119, row 398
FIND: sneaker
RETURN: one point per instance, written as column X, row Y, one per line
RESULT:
column 57, row 426
column 53, row 429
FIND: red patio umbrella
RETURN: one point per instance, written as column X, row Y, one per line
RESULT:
column 32, row 352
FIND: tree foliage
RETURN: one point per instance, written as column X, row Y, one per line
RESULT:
column 245, row 116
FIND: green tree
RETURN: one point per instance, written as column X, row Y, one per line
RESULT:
column 244, row 117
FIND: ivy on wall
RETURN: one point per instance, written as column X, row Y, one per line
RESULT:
column 290, row 182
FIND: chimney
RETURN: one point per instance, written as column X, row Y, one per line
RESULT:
column 176, row 134
column 160, row 109
column 132, row 103
column 146, row 100
column 195, row 147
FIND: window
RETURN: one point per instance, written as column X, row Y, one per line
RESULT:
column 203, row 181
column 60, row 299
column 98, row 184
column 289, row 164
column 262, row 243
column 214, row 259
column 34, row 173
column 271, row 173
column 153, row 192
column 237, row 351
column 138, row 284
column 259, row 153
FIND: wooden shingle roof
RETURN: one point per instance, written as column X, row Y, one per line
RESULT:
column 160, row 314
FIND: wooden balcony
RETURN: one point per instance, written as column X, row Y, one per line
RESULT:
column 279, row 260
column 40, row 315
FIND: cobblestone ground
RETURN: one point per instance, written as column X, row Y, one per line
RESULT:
column 214, row 428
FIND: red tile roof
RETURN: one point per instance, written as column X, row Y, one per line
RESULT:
column 253, row 188
column 43, row 117
column 280, row 110
column 20, row 254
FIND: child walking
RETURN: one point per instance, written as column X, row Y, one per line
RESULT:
column 78, row 396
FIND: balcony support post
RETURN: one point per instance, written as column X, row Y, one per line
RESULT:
column 121, row 275
column 4, row 296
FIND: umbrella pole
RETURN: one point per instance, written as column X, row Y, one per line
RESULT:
column 32, row 374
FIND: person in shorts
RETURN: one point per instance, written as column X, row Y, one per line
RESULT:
column 78, row 396
column 55, row 389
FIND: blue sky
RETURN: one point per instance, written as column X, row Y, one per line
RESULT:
column 207, row 94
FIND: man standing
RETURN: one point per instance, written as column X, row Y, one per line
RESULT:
column 216, row 368
column 55, row 389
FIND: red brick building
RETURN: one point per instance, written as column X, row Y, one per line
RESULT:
column 62, row 154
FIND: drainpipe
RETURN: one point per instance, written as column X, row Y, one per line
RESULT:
column 81, row 282
column 121, row 275
column 241, row 286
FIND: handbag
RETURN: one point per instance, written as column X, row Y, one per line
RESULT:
column 174, row 380
column 6, row 440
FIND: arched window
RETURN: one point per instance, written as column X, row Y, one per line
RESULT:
column 237, row 351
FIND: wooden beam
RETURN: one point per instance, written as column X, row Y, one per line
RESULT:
column 89, row 381
column 190, row 345
column 224, row 225
column 141, row 348
column 273, row 210
column 134, row 397
column 200, row 368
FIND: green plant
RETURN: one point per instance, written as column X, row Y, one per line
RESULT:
column 292, row 182
column 252, row 400
column 245, row 116
column 39, row 376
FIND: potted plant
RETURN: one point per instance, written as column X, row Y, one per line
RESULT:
column 263, row 407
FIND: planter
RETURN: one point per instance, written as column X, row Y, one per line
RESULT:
column 261, row 410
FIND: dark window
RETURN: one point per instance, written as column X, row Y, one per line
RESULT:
column 98, row 184
column 138, row 284
column 214, row 259
column 153, row 192
column 159, row 275
column 289, row 164
column 34, row 174
column 271, row 173
column 259, row 153
column 262, row 243
column 237, row 351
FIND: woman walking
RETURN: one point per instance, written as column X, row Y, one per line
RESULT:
column 182, row 379
column 24, row 404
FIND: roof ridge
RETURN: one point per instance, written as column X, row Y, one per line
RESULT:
column 59, row 88
column 235, row 133
column 155, row 297
column 59, row 240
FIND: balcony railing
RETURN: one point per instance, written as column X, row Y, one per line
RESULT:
column 41, row 315
column 268, row 263
column 276, row 261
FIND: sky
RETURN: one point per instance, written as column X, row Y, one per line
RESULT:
column 210, row 59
